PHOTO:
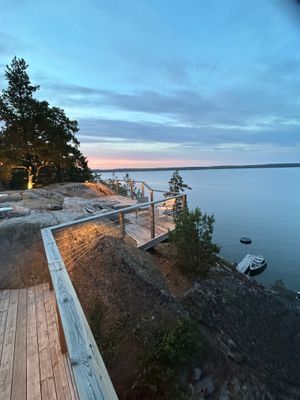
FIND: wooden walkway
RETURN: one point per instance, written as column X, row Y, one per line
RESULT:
column 32, row 366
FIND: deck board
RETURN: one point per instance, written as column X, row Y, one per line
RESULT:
column 46, row 371
column 4, row 300
column 19, row 390
column 33, row 371
column 31, row 363
column 6, row 366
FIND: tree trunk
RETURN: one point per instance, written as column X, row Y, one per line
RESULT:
column 30, row 178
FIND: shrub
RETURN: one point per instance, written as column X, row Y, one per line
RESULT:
column 170, row 352
column 192, row 240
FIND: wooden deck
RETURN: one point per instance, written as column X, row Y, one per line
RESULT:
column 120, row 201
column 139, row 228
column 32, row 366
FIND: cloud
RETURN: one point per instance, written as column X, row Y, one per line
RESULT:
column 243, row 104
column 98, row 130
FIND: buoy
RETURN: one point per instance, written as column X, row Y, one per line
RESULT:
column 245, row 240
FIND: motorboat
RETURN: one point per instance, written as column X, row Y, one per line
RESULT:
column 258, row 265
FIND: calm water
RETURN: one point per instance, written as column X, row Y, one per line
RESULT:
column 263, row 204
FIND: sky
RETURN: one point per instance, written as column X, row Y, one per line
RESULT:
column 156, row 83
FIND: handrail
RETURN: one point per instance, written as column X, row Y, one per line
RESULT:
column 143, row 183
column 90, row 374
column 110, row 213
column 91, row 377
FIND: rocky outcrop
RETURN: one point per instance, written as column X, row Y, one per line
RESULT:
column 22, row 259
column 257, row 333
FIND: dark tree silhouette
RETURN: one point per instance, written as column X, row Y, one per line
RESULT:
column 36, row 137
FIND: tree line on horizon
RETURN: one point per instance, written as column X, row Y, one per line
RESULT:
column 38, row 143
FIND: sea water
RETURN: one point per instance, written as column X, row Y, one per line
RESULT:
column 262, row 204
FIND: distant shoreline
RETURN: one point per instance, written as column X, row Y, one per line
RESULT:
column 280, row 165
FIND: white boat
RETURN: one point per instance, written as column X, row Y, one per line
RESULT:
column 258, row 265
column 252, row 264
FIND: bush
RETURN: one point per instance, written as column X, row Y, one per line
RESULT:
column 192, row 240
column 170, row 352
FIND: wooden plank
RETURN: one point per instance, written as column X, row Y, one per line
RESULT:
column 60, row 377
column 244, row 265
column 69, row 373
column 19, row 387
column 151, row 243
column 3, row 316
column 33, row 370
column 152, row 221
column 6, row 367
column 122, row 224
column 47, row 377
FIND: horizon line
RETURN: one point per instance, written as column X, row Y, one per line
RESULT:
column 268, row 165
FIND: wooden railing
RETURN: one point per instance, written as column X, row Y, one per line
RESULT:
column 130, row 184
column 91, row 377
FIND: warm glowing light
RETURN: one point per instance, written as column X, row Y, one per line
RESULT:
column 30, row 176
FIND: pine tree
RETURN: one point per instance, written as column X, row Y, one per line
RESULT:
column 192, row 241
column 35, row 136
column 176, row 184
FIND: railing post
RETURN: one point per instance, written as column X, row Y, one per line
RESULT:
column 151, row 195
column 152, row 221
column 143, row 189
column 184, row 203
column 122, row 224
column 131, row 189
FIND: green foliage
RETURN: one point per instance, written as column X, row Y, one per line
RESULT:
column 124, row 187
column 169, row 354
column 176, row 184
column 192, row 240
column 36, row 136
column 18, row 179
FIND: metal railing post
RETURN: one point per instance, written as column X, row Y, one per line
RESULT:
column 151, row 195
column 122, row 224
column 143, row 189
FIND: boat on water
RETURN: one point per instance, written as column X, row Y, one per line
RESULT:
column 258, row 265
column 252, row 264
